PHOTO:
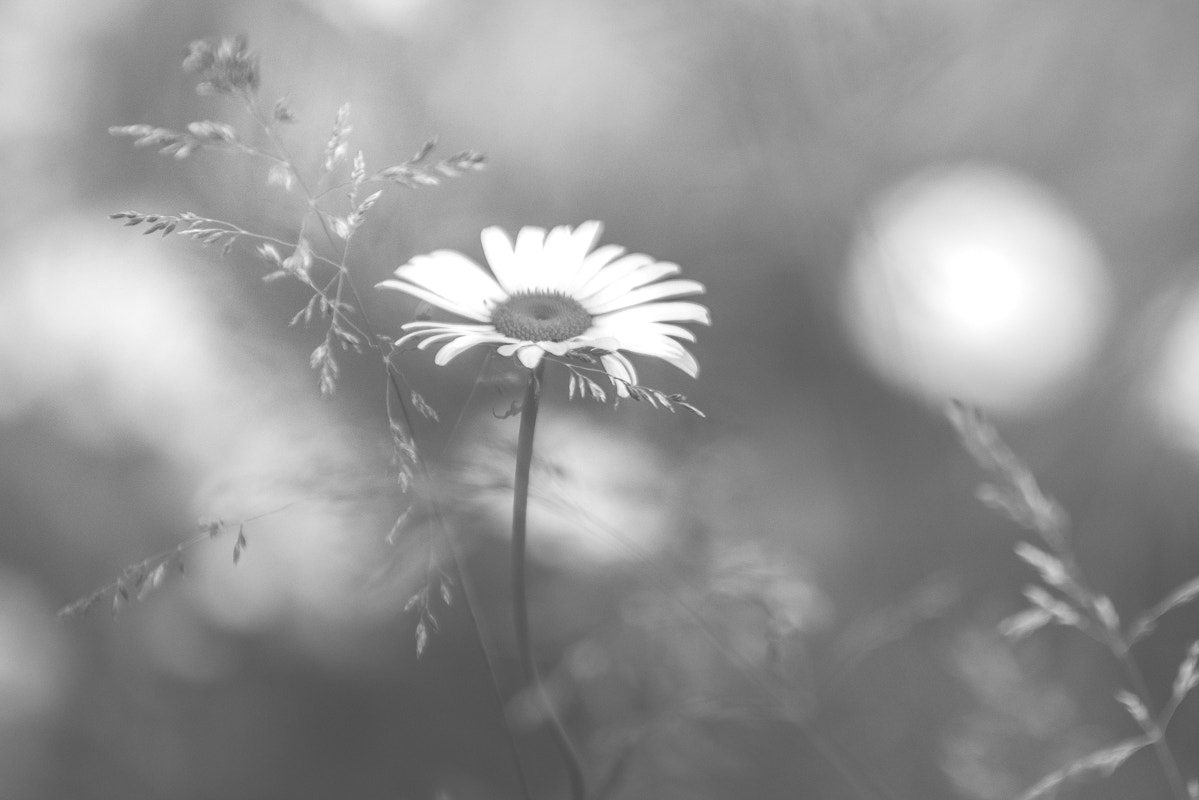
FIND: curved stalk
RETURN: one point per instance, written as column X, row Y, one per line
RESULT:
column 520, row 605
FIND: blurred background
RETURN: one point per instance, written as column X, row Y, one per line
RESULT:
column 891, row 204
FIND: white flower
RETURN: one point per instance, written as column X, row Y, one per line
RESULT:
column 551, row 293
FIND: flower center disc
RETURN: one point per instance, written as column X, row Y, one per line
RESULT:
column 541, row 317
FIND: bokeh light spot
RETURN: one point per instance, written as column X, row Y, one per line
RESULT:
column 598, row 496
column 1174, row 389
column 975, row 283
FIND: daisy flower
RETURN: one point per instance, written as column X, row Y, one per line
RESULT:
column 552, row 293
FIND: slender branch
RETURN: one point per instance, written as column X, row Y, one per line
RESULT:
column 342, row 270
column 1108, row 633
column 520, row 604
column 1167, row 715
column 146, row 574
column 343, row 280
column 1154, row 729
column 1018, row 495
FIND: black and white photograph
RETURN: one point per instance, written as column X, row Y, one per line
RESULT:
column 599, row 400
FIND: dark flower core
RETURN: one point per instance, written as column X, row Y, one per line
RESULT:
column 541, row 317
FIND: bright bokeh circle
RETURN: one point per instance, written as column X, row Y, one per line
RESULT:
column 1174, row 387
column 975, row 283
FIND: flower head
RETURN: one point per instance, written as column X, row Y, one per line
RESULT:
column 552, row 293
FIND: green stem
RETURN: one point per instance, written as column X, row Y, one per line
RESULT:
column 520, row 604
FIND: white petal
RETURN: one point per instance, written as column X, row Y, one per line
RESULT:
column 437, row 328
column 647, row 294
column 586, row 235
column 455, row 326
column 593, row 262
column 613, row 272
column 666, row 349
column 638, row 278
column 557, row 242
column 656, row 312
column 476, row 311
column 529, row 241
column 555, row 348
column 641, row 328
column 500, row 256
column 619, row 367
column 526, row 267
column 665, row 329
column 640, row 338
column 408, row 337
column 451, row 275
column 439, row 337
column 582, row 239
column 589, row 339
column 554, row 267
column 459, row 345
column 530, row 355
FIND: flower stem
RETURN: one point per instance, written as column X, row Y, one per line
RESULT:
column 520, row 605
